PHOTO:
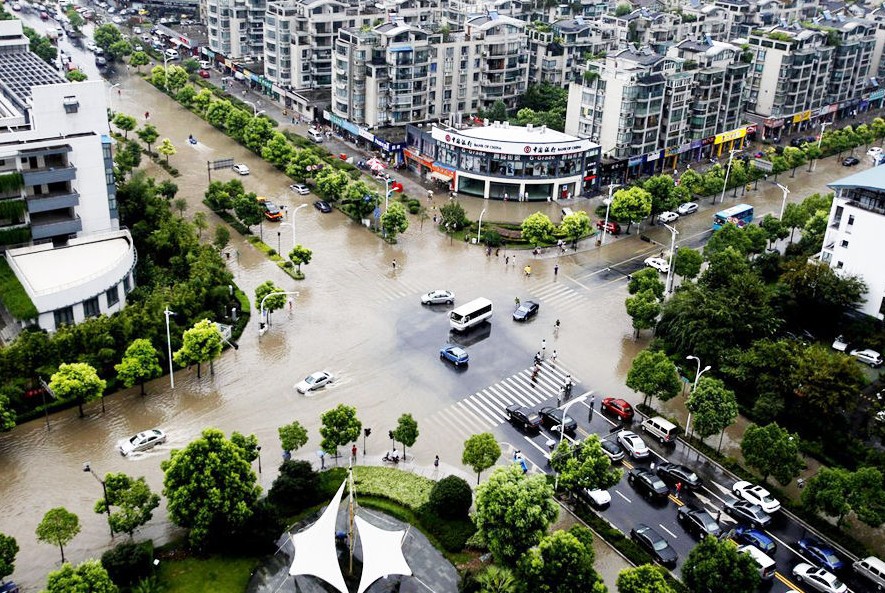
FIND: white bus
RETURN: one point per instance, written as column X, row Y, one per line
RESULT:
column 470, row 314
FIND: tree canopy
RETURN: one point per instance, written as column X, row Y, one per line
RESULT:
column 293, row 436
column 481, row 451
column 58, row 527
column 631, row 205
column 133, row 499
column 584, row 465
column 8, row 551
column 713, row 406
column 836, row 492
column 87, row 577
column 201, row 343
column 562, row 561
column 538, row 229
column 647, row 578
column 406, row 431
column 340, row 426
column 77, row 381
column 140, row 363
column 772, row 451
column 715, row 565
column 654, row 375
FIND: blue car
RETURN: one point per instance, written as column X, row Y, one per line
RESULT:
column 755, row 537
column 822, row 554
column 454, row 354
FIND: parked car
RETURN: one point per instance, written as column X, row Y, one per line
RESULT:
column 658, row 263
column 141, row 442
column 454, row 354
column 526, row 310
column 203, row 73
column 241, row 168
column 687, row 208
column 647, row 483
column 697, row 521
column 754, row 537
column 438, row 297
column 875, row 151
column 598, row 499
column 818, row 579
column 867, row 356
column 821, row 553
column 272, row 212
column 654, row 543
column 611, row 227
column 322, row 206
column 523, row 417
column 554, row 418
column 798, row 142
column 314, row 381
column 673, row 473
column 612, row 449
column 633, row 444
column 667, row 216
column 749, row 513
column 618, row 407
column 300, row 189
column 756, row 495
column 850, row 161
column 840, row 344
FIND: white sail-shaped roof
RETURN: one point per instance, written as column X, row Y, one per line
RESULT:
column 315, row 552
column 382, row 553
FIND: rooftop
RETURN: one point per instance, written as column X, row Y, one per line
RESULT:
column 20, row 70
column 517, row 134
column 871, row 179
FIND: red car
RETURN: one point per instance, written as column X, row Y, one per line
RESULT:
column 203, row 73
column 611, row 228
column 618, row 407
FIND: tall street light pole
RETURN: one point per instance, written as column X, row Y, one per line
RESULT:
column 608, row 205
column 578, row 399
column 731, row 154
column 166, row 73
column 479, row 228
column 261, row 307
column 694, row 386
column 107, row 507
column 167, row 313
column 823, row 126
column 673, row 233
column 291, row 223
column 784, row 203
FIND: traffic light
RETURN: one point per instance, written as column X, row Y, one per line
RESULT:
column 390, row 434
column 367, row 432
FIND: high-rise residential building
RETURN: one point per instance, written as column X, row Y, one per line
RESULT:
column 559, row 51
column 236, row 28
column 851, row 66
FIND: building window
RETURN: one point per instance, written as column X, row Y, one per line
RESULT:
column 126, row 284
column 64, row 316
column 72, row 105
column 850, row 219
column 844, row 243
column 113, row 295
column 90, row 307
column 839, row 265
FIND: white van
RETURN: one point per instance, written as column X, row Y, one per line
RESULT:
column 765, row 563
column 661, row 428
column 171, row 54
column 873, row 570
column 315, row 135
column 566, row 212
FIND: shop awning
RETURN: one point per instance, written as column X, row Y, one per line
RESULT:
column 440, row 176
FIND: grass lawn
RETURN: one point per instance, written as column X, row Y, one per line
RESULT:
column 210, row 575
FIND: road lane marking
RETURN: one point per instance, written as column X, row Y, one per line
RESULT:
column 482, row 406
column 787, row 582
column 676, row 500
column 661, row 525
column 626, row 463
column 622, row 496
column 473, row 408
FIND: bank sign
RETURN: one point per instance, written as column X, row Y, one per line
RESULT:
column 511, row 147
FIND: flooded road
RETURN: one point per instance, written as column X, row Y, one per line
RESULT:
column 354, row 315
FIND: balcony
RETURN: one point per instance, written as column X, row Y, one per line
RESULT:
column 46, row 175
column 54, row 201
column 55, row 227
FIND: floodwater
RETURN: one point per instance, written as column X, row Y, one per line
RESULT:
column 344, row 319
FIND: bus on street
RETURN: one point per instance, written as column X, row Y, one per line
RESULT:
column 740, row 215
column 470, row 314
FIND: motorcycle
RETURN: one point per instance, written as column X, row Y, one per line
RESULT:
column 394, row 458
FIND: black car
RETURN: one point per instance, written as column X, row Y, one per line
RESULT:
column 647, row 484
column 526, row 310
column 554, row 418
column 322, row 206
column 850, row 161
column 697, row 522
column 798, row 142
column 673, row 473
column 612, row 449
column 523, row 417
column 749, row 513
column 654, row 543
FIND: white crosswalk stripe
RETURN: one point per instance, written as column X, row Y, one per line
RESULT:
column 484, row 410
column 391, row 289
column 558, row 294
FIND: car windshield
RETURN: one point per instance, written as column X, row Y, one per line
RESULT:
column 691, row 476
column 658, row 484
column 660, row 544
column 708, row 521
column 312, row 379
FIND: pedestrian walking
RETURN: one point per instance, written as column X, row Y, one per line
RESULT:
column 353, row 451
column 516, row 302
column 553, row 357
column 592, row 401
column 556, row 270
column 543, row 348
column 506, row 260
column 322, row 459
column 394, row 265
column 678, row 489
column 556, row 326
column 147, row 114
column 652, row 466
column 436, row 462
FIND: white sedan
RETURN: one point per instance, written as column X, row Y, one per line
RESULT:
column 141, row 442
column 241, row 168
column 667, row 216
column 687, row 208
column 438, row 297
column 314, row 381
column 818, row 579
column 658, row 263
column 757, row 495
column 867, row 356
column 300, row 189
column 633, row 444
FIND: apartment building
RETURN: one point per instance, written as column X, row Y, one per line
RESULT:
column 853, row 241
column 660, row 30
column 236, row 27
column 559, row 51
column 852, row 63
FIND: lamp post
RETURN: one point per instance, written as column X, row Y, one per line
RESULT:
column 823, row 126
column 578, row 399
column 111, row 92
column 258, row 453
column 255, row 111
column 167, row 313
column 697, row 378
column 166, row 73
column 107, row 507
column 673, row 233
column 479, row 228
column 731, row 154
column 611, row 189
column 387, row 182
column 784, row 203
column 261, row 307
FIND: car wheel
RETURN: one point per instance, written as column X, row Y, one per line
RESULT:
column 630, row 479
column 449, row 302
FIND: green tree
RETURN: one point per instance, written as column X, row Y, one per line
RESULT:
column 537, row 229
column 643, row 308
column 58, row 527
column 562, row 561
column 584, row 465
column 250, row 211
column 8, row 551
column 300, row 255
column 794, row 217
column 646, row 279
column 257, row 133
column 222, row 237
column 497, row 112
column 76, row 76
column 218, row 196
column 715, row 565
column 88, row 577
column 166, row 148
column 180, row 205
column 406, row 431
column 134, row 501
column 654, row 375
column 729, row 236
column 453, row 216
column 270, row 303
column 576, row 225
column 812, row 153
column 77, row 381
column 687, row 262
column 647, row 578
column 828, row 382
column 774, row 228
column 837, row 491
column 126, row 123
column 126, row 158
column 767, row 369
column 74, row 18
column 202, row 101
column 623, row 9
column 139, row 59
column 660, row 188
column 200, row 223
column 217, row 112
column 186, row 95
column 331, row 183
column 107, row 35
column 513, row 512
column 175, row 79
column 301, row 163
column 148, row 134
column 630, row 205
column 772, row 451
column 140, row 363
column 481, row 451
column 496, row 579
column 278, row 151
column 201, row 343
column 7, row 415
column 394, row 220
column 209, row 486
column 819, row 292
column 795, row 158
column 713, row 406
column 41, row 46
column 293, row 436
column 340, row 426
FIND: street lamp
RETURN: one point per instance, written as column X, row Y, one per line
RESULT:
column 292, row 223
column 167, row 313
column 387, row 182
column 731, row 154
column 107, row 507
column 673, row 233
column 611, row 189
column 479, row 228
column 166, row 73
column 255, row 111
column 261, row 307
column 578, row 399
column 111, row 92
column 784, row 203
column 823, row 126
column 697, row 378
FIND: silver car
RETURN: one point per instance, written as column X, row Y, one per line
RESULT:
column 143, row 441
column 438, row 297
column 314, row 381
column 300, row 189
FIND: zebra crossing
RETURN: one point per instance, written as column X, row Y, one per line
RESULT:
column 388, row 289
column 559, row 295
column 484, row 410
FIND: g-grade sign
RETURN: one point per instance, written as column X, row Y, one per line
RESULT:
column 510, row 147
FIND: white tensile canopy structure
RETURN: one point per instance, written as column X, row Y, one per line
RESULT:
column 316, row 555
